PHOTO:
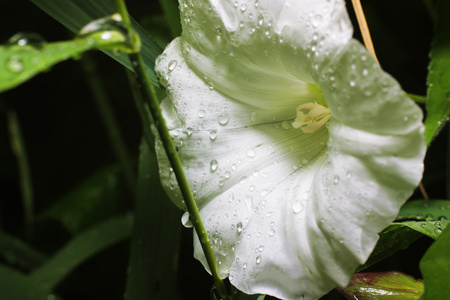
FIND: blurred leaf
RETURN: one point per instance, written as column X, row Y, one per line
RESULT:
column 16, row 252
column 156, row 237
column 95, row 199
column 438, row 94
column 16, row 286
column 22, row 60
column 81, row 248
column 425, row 210
column 387, row 285
column 74, row 14
column 394, row 238
column 172, row 14
column 435, row 268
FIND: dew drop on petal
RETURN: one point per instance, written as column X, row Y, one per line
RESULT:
column 348, row 174
column 227, row 174
column 286, row 125
column 244, row 266
column 186, row 221
column 172, row 65
column 253, row 116
column 243, row 7
column 213, row 135
column 305, row 161
column 239, row 227
column 223, row 119
column 214, row 165
column 336, row 179
column 261, row 248
column 258, row 259
column 297, row 207
column 272, row 232
column 251, row 153
column 189, row 131
column 201, row 113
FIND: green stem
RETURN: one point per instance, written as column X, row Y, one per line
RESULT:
column 148, row 92
column 116, row 138
column 418, row 98
column 18, row 147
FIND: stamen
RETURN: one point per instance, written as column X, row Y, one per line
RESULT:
column 317, row 116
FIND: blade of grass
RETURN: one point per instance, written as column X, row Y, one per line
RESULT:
column 172, row 15
column 21, row 62
column 74, row 14
column 26, row 186
column 16, row 286
column 156, row 237
column 117, row 141
column 79, row 249
column 18, row 253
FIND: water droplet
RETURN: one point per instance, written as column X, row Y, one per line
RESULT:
column 348, row 175
column 272, row 232
column 186, row 221
column 286, row 125
column 223, row 119
column 244, row 266
column 189, row 131
column 172, row 65
column 261, row 248
column 336, row 179
column 201, row 113
column 405, row 118
column 27, row 38
column 233, row 167
column 213, row 135
column 305, row 161
column 365, row 72
column 251, row 153
column 352, row 83
column 243, row 7
column 239, row 227
column 264, row 193
column 297, row 207
column 243, row 179
column 258, row 259
column 214, row 165
column 253, row 116
column 15, row 64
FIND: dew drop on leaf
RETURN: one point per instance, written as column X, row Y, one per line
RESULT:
column 15, row 64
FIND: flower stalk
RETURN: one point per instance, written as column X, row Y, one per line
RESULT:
column 148, row 92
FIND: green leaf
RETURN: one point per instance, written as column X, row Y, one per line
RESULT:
column 74, row 14
column 435, row 268
column 430, row 228
column 80, row 249
column 438, row 94
column 97, row 198
column 16, row 286
column 387, row 285
column 156, row 237
column 399, row 236
column 425, row 210
column 172, row 14
column 23, row 60
column 394, row 238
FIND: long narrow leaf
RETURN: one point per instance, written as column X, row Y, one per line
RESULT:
column 16, row 286
column 156, row 237
column 74, row 14
column 438, row 98
column 80, row 249
column 20, row 62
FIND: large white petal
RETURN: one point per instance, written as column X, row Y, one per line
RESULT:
column 289, row 214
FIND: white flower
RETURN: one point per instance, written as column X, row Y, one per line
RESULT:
column 298, row 147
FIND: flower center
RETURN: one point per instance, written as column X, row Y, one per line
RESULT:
column 311, row 116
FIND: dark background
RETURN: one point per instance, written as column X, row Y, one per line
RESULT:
column 66, row 141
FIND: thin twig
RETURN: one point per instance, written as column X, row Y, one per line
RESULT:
column 363, row 27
